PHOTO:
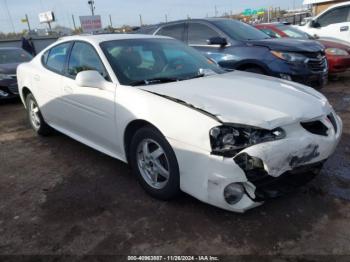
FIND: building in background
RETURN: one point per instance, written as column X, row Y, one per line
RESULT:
column 319, row 6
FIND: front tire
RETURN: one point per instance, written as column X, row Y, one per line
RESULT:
column 35, row 117
column 154, row 163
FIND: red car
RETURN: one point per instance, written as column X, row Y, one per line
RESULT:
column 337, row 52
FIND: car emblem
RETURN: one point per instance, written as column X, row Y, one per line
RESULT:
column 319, row 56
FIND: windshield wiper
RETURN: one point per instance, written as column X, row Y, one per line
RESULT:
column 152, row 81
column 201, row 73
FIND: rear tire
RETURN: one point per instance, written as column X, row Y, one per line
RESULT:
column 154, row 163
column 35, row 117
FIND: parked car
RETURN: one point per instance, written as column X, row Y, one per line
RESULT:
column 337, row 52
column 230, row 139
column 236, row 45
column 333, row 22
column 10, row 58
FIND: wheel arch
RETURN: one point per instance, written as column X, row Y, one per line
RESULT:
column 130, row 130
column 253, row 63
column 25, row 92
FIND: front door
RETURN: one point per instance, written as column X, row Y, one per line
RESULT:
column 89, row 111
column 198, row 36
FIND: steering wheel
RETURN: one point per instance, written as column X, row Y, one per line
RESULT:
column 176, row 64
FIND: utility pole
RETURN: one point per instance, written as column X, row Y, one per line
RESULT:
column 216, row 11
column 166, row 18
column 92, row 6
column 110, row 20
column 141, row 20
column 27, row 20
column 75, row 27
column 10, row 17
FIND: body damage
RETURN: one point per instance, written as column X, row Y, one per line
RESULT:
column 232, row 98
column 206, row 179
column 184, row 112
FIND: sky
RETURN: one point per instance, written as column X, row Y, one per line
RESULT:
column 123, row 12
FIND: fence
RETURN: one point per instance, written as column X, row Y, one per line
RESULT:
column 39, row 43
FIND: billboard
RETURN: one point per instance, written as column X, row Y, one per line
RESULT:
column 250, row 12
column 90, row 24
column 46, row 17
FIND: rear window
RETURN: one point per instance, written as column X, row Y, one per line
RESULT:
column 55, row 58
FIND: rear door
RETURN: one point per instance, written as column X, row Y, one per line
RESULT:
column 334, row 23
column 48, row 81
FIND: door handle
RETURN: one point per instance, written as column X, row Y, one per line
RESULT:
column 68, row 90
column 344, row 28
column 36, row 77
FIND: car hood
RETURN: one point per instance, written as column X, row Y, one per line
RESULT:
column 289, row 44
column 8, row 68
column 330, row 43
column 246, row 98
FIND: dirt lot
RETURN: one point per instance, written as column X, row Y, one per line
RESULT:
column 58, row 196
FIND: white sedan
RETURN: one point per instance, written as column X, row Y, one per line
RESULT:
column 232, row 140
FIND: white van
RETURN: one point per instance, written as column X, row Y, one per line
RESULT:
column 333, row 22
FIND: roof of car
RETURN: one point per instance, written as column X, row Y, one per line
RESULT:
column 274, row 24
column 332, row 6
column 186, row 20
column 108, row 37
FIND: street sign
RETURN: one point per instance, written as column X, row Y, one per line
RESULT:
column 90, row 24
column 250, row 12
column 47, row 17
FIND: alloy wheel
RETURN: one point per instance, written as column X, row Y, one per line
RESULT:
column 153, row 163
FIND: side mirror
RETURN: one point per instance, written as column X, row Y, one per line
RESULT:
column 315, row 24
column 221, row 41
column 90, row 78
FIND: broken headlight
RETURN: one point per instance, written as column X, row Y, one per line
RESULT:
column 228, row 140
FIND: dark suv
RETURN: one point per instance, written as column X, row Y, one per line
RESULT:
column 236, row 45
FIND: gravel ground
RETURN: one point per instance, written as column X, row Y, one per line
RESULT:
column 58, row 196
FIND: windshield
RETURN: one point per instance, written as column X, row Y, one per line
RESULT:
column 9, row 56
column 136, row 61
column 293, row 32
column 240, row 31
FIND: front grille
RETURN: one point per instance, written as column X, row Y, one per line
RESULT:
column 315, row 127
column 334, row 123
column 317, row 64
column 313, row 54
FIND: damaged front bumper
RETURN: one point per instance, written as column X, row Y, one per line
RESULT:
column 266, row 170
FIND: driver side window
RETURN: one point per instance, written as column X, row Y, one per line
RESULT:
column 199, row 34
column 84, row 57
column 335, row 16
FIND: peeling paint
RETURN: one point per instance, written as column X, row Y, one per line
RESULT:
column 310, row 153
